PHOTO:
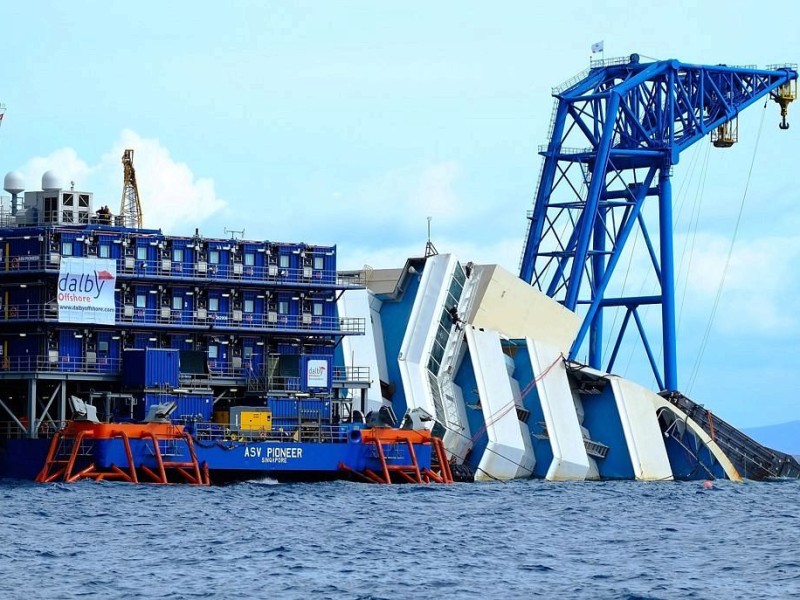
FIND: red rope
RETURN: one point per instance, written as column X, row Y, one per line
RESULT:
column 512, row 405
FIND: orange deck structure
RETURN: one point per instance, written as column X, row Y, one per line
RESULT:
column 71, row 443
column 408, row 473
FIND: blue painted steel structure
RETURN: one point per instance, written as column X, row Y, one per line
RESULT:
column 214, row 325
column 617, row 130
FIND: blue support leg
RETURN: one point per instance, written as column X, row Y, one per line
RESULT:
column 667, row 282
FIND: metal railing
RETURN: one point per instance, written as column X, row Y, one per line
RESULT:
column 10, row 430
column 232, row 319
column 217, row 370
column 193, row 271
column 351, row 374
column 220, row 434
column 225, row 272
column 59, row 364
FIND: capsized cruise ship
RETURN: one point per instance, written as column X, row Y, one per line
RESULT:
column 478, row 357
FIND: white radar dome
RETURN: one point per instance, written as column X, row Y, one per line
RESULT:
column 14, row 183
column 51, row 182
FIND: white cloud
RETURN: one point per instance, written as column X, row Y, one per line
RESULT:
column 169, row 192
column 64, row 162
column 502, row 252
column 402, row 198
column 435, row 195
column 761, row 277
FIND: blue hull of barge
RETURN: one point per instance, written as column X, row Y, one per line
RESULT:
column 22, row 458
column 228, row 460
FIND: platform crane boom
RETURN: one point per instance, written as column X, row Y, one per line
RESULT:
column 616, row 132
column 131, row 208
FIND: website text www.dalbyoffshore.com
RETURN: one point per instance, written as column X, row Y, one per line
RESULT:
column 79, row 308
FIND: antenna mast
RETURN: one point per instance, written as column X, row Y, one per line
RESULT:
column 430, row 249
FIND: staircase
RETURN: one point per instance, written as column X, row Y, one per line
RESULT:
column 751, row 459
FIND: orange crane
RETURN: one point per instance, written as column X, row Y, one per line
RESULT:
column 131, row 209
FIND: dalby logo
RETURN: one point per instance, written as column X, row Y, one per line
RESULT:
column 88, row 285
column 317, row 371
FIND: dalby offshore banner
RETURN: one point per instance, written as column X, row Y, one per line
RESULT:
column 86, row 290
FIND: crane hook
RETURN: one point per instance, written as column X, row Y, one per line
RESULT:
column 783, row 97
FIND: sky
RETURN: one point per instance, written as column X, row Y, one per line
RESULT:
column 351, row 123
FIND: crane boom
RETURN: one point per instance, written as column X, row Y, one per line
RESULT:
column 131, row 208
column 616, row 132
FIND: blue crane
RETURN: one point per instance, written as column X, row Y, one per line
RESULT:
column 617, row 129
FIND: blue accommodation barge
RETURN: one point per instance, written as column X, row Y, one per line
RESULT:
column 228, row 349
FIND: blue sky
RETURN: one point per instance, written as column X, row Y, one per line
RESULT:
column 351, row 122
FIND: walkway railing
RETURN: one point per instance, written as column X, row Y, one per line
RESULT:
column 218, row 434
column 231, row 319
column 62, row 364
column 191, row 271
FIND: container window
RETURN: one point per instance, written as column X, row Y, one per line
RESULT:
column 141, row 300
column 249, row 306
column 213, row 352
column 283, row 261
column 319, row 263
column 213, row 304
column 213, row 257
column 249, row 259
column 66, row 248
column 102, row 346
column 283, row 307
column 177, row 302
column 105, row 251
column 141, row 253
column 248, row 352
column 177, row 254
column 316, row 309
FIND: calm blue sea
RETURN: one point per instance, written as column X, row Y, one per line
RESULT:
column 525, row 539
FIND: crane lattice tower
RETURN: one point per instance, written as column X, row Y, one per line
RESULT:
column 131, row 208
column 616, row 132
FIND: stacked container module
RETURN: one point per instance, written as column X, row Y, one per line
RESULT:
column 246, row 318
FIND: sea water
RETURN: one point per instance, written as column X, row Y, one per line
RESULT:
column 524, row 539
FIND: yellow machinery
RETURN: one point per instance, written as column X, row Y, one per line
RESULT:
column 255, row 420
column 131, row 209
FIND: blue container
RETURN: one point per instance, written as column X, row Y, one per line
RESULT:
column 70, row 350
column 190, row 407
column 288, row 410
column 150, row 368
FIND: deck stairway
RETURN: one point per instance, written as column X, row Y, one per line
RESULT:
column 751, row 459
